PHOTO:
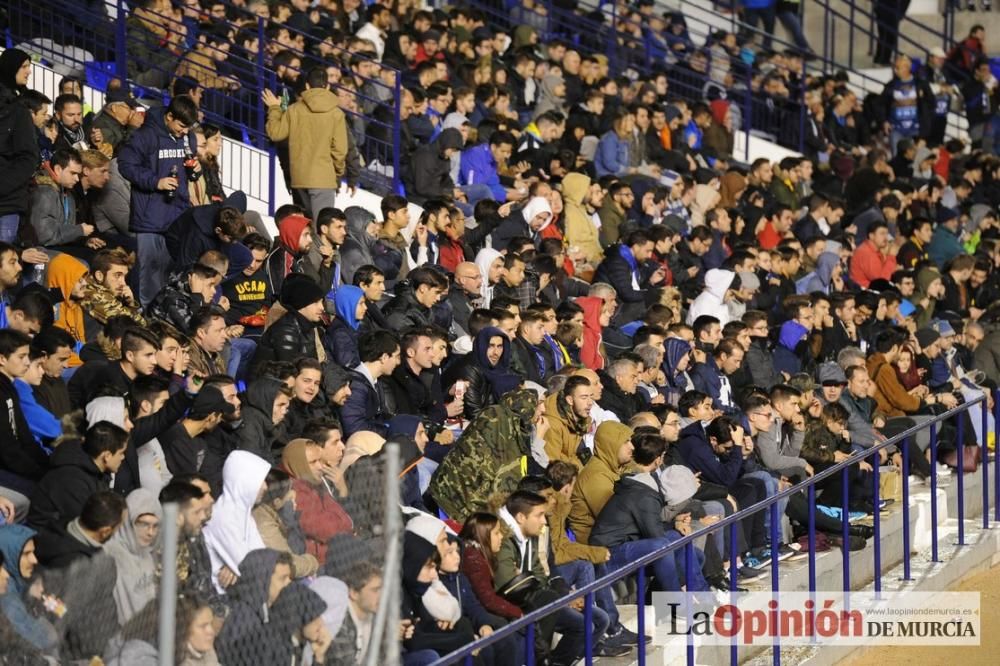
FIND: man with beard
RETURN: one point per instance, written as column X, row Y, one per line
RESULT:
column 183, row 443
column 322, row 262
column 72, row 134
column 56, row 346
column 107, row 293
column 194, row 568
column 224, row 439
column 138, row 358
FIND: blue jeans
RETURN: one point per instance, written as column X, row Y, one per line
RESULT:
column 8, row 227
column 241, row 350
column 667, row 567
column 420, row 658
column 579, row 573
column 153, row 264
column 772, row 489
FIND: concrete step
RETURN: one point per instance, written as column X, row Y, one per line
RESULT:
column 981, row 547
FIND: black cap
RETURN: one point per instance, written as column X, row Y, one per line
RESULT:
column 121, row 95
column 209, row 401
column 299, row 291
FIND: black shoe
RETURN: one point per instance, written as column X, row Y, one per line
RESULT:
column 863, row 531
column 723, row 584
column 620, row 635
column 607, row 649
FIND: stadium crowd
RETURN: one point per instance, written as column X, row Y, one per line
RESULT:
column 604, row 331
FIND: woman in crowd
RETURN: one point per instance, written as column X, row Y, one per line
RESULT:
column 134, row 548
column 342, row 336
column 278, row 523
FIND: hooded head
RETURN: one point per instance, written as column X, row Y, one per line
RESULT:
column 484, row 260
column 717, row 282
column 140, row 502
column 254, row 583
column 730, row 186
column 359, row 445
column 482, row 343
column 290, row 232
column 262, row 392
column 522, row 403
column 608, row 441
column 345, row 302
column 334, row 378
column 824, row 267
column 719, row 109
column 792, row 332
column 13, row 538
column 10, row 62
column 294, row 460
column 574, row 188
column 64, row 272
column 295, row 607
column 537, row 206
column 232, row 532
column 358, row 220
column 676, row 348
column 404, row 424
column 334, row 593
column 106, row 408
column 450, row 138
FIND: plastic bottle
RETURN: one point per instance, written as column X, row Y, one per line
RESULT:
column 173, row 174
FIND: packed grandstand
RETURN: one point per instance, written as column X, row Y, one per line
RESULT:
column 589, row 324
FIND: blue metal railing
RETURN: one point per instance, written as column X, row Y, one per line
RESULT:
column 527, row 622
column 126, row 49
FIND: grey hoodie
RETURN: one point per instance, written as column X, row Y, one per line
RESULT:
column 358, row 246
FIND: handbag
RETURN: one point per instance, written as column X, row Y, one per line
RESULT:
column 971, row 456
column 890, row 484
column 520, row 589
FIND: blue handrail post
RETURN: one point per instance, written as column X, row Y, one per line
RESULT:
column 121, row 51
column 259, row 75
column 934, row 506
column 845, row 522
column 876, row 519
column 812, row 537
column 986, row 465
column 734, row 652
column 775, row 541
column 397, row 177
column 529, row 644
column 960, row 464
column 906, row 508
column 996, row 455
column 613, row 41
column 588, row 628
column 689, row 563
column 850, row 39
column 640, row 596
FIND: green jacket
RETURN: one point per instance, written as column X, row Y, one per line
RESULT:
column 489, row 458
column 511, row 561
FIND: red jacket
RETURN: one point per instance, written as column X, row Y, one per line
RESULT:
column 320, row 517
column 869, row 264
column 477, row 570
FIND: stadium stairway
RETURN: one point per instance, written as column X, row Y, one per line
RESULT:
column 982, row 550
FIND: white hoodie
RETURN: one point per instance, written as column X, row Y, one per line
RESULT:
column 232, row 531
column 711, row 300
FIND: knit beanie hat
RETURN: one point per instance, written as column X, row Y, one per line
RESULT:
column 299, row 291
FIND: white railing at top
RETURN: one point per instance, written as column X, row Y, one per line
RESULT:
column 243, row 167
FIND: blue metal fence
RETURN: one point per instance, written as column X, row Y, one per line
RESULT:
column 637, row 568
column 83, row 40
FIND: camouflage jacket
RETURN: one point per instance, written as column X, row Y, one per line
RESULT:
column 490, row 457
column 100, row 303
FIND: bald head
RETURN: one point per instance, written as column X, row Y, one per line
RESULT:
column 644, row 419
column 468, row 277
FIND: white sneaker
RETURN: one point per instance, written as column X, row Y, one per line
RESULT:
column 943, row 470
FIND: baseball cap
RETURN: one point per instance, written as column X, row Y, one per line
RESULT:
column 121, row 95
column 209, row 401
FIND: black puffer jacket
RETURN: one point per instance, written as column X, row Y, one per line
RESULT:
column 175, row 304
column 405, row 311
column 478, row 392
column 19, row 155
column 288, row 339
column 430, row 175
column 632, row 513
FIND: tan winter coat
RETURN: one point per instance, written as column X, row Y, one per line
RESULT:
column 316, row 131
